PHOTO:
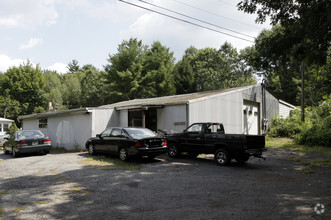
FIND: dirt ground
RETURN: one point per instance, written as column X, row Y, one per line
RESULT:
column 57, row 186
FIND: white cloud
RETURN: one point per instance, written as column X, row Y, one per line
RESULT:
column 59, row 67
column 7, row 62
column 31, row 43
column 22, row 13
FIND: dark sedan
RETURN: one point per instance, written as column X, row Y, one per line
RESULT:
column 27, row 141
column 127, row 142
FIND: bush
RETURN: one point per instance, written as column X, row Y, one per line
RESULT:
column 315, row 131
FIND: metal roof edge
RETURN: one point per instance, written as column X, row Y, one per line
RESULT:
column 224, row 92
column 286, row 103
column 49, row 114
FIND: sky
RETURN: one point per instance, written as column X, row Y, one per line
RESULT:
column 52, row 33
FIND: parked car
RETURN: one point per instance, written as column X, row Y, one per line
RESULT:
column 27, row 141
column 127, row 143
column 210, row 138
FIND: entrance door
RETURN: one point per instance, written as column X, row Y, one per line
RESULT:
column 143, row 118
column 251, row 114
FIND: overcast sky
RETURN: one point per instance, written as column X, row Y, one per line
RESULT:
column 52, row 33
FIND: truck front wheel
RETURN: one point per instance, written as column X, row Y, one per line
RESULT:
column 222, row 157
column 173, row 150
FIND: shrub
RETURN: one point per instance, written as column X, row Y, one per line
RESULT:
column 315, row 131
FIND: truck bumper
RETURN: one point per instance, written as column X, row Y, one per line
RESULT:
column 255, row 152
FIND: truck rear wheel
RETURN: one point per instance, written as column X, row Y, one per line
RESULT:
column 222, row 157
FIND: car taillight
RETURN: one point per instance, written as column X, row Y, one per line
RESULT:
column 22, row 143
column 47, row 141
column 140, row 144
column 164, row 143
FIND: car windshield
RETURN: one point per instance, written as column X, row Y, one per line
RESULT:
column 29, row 134
column 139, row 133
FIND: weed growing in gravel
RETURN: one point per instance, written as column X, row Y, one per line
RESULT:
column 306, row 170
column 1, row 210
column 78, row 189
column 4, row 192
column 42, row 202
column 106, row 163
column 19, row 209
column 23, row 203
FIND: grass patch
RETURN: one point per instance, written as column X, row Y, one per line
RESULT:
column 23, row 203
column 1, row 211
column 42, row 202
column 106, row 163
column 78, row 189
column 306, row 170
column 19, row 209
column 288, row 143
column 4, row 192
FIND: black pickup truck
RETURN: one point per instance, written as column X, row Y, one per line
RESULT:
column 210, row 138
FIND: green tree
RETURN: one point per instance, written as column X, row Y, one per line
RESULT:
column 92, row 86
column 24, row 84
column 270, row 58
column 306, row 25
column 124, row 71
column 71, row 91
column 157, row 78
column 73, row 66
column 53, row 88
column 213, row 69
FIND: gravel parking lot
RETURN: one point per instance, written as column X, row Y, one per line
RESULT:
column 58, row 186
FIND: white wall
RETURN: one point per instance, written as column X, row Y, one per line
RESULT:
column 102, row 119
column 65, row 130
column 172, row 118
column 284, row 109
column 225, row 108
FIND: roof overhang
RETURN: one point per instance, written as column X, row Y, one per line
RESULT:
column 139, row 107
column 51, row 114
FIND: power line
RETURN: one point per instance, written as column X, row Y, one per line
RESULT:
column 179, row 19
column 197, row 19
column 212, row 13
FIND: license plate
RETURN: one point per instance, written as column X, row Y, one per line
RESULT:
column 34, row 142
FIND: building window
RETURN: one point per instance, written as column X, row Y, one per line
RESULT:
column 5, row 127
column 43, row 123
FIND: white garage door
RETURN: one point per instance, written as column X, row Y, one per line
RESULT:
column 251, row 117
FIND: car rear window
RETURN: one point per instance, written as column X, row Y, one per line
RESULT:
column 29, row 134
column 139, row 133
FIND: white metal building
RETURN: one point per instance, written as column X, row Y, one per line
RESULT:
column 242, row 110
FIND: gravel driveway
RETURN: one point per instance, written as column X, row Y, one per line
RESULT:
column 57, row 186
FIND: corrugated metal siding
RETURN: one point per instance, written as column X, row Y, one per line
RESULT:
column 225, row 109
column 172, row 118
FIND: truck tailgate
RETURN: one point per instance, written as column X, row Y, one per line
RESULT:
column 255, row 141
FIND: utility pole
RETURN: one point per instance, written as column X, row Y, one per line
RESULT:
column 302, row 91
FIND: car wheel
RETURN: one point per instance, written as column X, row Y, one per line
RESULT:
column 173, row 150
column 91, row 149
column 123, row 154
column 13, row 152
column 242, row 159
column 222, row 157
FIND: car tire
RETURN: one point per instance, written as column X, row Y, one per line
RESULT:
column 173, row 150
column 14, row 153
column 91, row 149
column 242, row 159
column 123, row 154
column 222, row 157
